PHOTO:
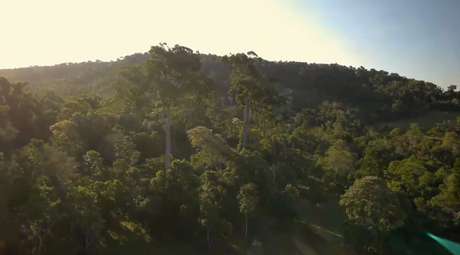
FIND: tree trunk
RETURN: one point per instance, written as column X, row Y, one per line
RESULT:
column 167, row 129
column 88, row 239
column 247, row 122
column 39, row 248
column 208, row 238
column 376, row 240
column 246, row 228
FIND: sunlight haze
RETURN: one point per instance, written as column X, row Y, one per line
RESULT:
column 52, row 31
column 49, row 32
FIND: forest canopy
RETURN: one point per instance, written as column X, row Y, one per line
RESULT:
column 177, row 152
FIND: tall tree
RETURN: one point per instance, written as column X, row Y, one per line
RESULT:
column 252, row 91
column 248, row 199
column 170, row 80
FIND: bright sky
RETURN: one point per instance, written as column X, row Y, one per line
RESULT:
column 416, row 40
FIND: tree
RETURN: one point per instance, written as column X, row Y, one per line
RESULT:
column 176, row 76
column 212, row 147
column 340, row 159
column 210, row 194
column 252, row 91
column 87, row 214
column 66, row 138
column 248, row 199
column 452, row 87
column 371, row 204
column 170, row 80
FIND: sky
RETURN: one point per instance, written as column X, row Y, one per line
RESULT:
column 415, row 38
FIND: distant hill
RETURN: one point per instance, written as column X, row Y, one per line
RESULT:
column 378, row 96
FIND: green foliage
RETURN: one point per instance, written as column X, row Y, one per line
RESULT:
column 147, row 154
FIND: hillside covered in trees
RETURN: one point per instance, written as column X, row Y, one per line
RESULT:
column 176, row 152
column 378, row 95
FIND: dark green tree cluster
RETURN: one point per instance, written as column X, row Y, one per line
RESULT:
column 167, row 161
